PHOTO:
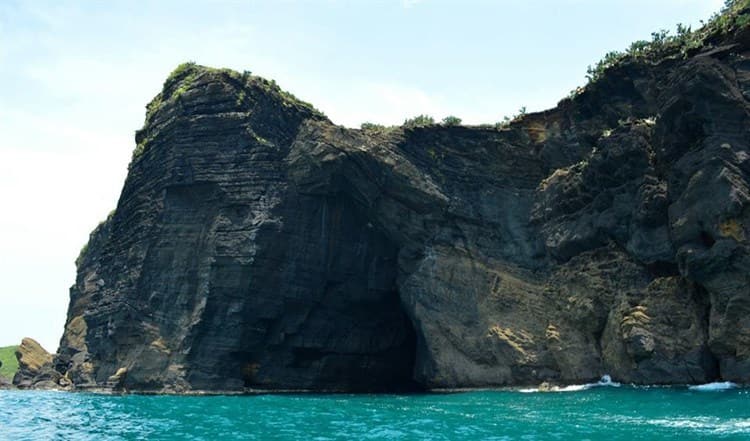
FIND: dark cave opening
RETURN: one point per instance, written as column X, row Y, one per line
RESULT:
column 339, row 324
column 372, row 343
column 361, row 268
column 372, row 350
column 374, row 370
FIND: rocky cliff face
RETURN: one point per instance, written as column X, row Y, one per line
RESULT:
column 256, row 245
column 36, row 369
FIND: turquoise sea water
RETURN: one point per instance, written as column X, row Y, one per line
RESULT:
column 596, row 414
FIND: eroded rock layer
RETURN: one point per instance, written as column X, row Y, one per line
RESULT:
column 256, row 245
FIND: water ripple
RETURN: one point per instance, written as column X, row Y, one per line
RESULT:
column 602, row 413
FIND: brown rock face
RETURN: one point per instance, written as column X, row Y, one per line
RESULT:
column 256, row 245
column 35, row 367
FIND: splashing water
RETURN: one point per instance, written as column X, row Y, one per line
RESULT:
column 712, row 387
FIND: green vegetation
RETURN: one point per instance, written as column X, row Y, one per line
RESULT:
column 375, row 128
column 84, row 250
column 138, row 150
column 287, row 98
column 371, row 126
column 451, row 120
column 180, row 70
column 733, row 15
column 183, row 78
column 141, row 147
column 8, row 359
column 183, row 87
column 419, row 121
column 85, row 247
column 507, row 120
column 241, row 97
column 153, row 106
column 662, row 45
column 176, row 84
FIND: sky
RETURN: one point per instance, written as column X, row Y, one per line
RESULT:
column 75, row 78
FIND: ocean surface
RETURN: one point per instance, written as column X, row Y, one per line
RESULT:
column 599, row 413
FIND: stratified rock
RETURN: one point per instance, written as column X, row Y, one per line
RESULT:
column 256, row 245
column 35, row 368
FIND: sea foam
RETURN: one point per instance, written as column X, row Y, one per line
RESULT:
column 605, row 381
column 716, row 386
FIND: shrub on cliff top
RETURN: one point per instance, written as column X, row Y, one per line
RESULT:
column 733, row 15
column 287, row 98
column 178, row 82
column 451, row 120
column 507, row 120
column 180, row 70
column 372, row 126
column 419, row 121
column 182, row 77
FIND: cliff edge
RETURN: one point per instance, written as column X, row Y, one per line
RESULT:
column 257, row 245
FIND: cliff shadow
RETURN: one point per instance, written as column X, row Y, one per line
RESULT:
column 313, row 305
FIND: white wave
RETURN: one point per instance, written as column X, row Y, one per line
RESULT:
column 716, row 386
column 528, row 391
column 574, row 387
column 705, row 424
column 605, row 381
column 696, row 424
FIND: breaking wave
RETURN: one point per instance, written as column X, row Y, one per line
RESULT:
column 716, row 386
column 605, row 381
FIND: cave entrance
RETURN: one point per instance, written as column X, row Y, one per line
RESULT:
column 356, row 335
column 327, row 315
column 309, row 302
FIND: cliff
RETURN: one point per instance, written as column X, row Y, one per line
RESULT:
column 256, row 245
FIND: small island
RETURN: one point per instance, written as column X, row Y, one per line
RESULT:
column 258, row 246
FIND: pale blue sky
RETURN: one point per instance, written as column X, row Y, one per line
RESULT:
column 75, row 77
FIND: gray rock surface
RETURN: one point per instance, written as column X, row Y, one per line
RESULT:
column 256, row 245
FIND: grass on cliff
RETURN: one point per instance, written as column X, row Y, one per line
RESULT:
column 182, row 79
column 85, row 247
column 10, row 364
